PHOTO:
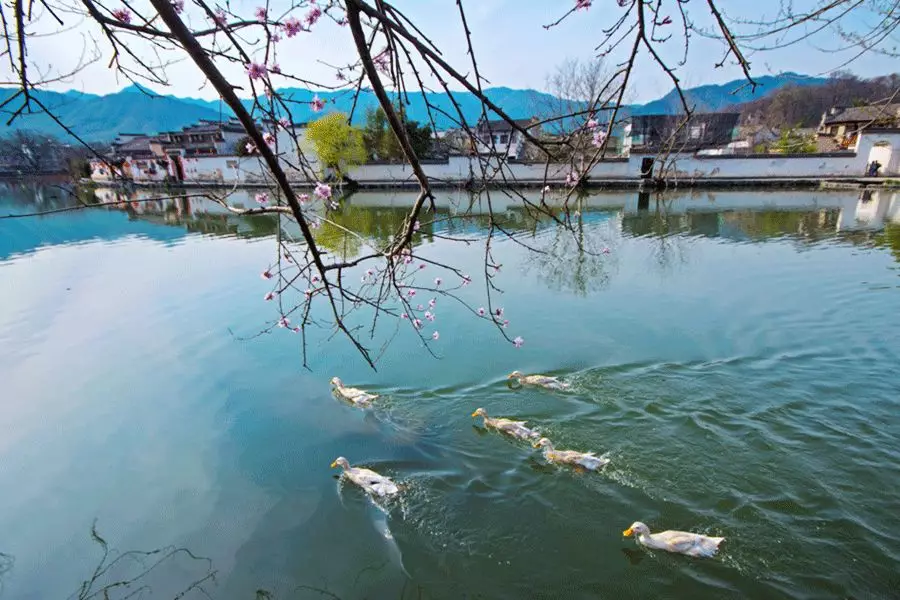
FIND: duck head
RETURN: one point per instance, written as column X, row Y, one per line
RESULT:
column 341, row 462
column 637, row 528
column 336, row 381
column 514, row 375
column 543, row 442
column 479, row 413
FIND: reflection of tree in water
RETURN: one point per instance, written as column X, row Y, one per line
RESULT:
column 6, row 565
column 890, row 239
column 807, row 226
column 664, row 230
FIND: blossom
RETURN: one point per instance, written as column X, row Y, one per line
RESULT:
column 369, row 272
column 422, row 266
column 410, row 293
column 266, row 274
column 308, row 293
column 292, row 27
column 518, row 341
column 283, row 121
column 268, row 138
column 592, row 123
column 333, row 205
column 605, row 251
column 256, row 70
column 323, row 191
column 340, row 76
column 417, row 323
column 317, row 103
column 312, row 16
column 438, row 281
column 261, row 14
column 220, row 18
column 404, row 316
column 407, row 259
column 276, row 37
column 284, row 322
column 481, row 311
column 416, row 226
column 466, row 280
column 498, row 312
column 546, row 189
column 572, row 178
column 432, row 302
column 250, row 147
column 122, row 14
column 435, row 335
column 429, row 315
column 505, row 323
column 583, row 4
column 598, row 139
column 269, row 296
column 666, row 21
column 262, row 198
column 296, row 330
column 419, row 307
column 314, row 279
column 303, row 198
column 382, row 60
column 275, row 67
column 178, row 6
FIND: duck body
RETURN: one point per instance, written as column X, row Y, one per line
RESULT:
column 353, row 395
column 587, row 460
column 680, row 542
column 516, row 429
column 544, row 381
column 370, row 481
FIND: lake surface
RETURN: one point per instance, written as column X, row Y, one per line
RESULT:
column 735, row 354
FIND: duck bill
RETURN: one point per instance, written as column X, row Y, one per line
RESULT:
column 334, row 464
column 475, row 414
column 628, row 532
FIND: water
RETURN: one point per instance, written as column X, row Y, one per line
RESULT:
column 734, row 353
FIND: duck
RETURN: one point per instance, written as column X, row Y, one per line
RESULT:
column 370, row 481
column 353, row 395
column 544, row 381
column 588, row 460
column 681, row 542
column 516, row 429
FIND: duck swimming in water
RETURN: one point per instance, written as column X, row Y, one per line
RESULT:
column 587, row 460
column 544, row 381
column 681, row 542
column 353, row 395
column 370, row 481
column 516, row 429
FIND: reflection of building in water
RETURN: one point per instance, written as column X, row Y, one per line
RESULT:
column 873, row 209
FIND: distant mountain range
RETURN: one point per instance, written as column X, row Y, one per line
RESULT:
column 131, row 110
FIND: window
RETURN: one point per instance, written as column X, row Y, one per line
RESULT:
column 696, row 132
column 231, row 164
column 504, row 138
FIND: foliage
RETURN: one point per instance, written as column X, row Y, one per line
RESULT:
column 338, row 145
column 793, row 142
column 382, row 144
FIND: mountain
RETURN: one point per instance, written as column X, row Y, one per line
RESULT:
column 716, row 98
column 134, row 110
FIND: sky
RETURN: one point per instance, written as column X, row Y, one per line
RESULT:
column 512, row 46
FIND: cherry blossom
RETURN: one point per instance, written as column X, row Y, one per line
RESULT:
column 585, row 4
column 435, row 335
column 340, row 76
column 416, row 226
column 269, row 296
column 466, row 280
column 605, row 251
column 256, row 70
column 268, row 138
column 284, row 322
column 178, row 6
column 220, row 18
column 432, row 302
column 438, row 281
column 292, row 27
column 285, row 124
column 411, row 293
column 261, row 14
column 275, row 67
column 498, row 312
column 276, row 37
column 296, row 330
column 317, row 103
column 505, row 323
column 572, row 178
column 422, row 266
column 312, row 16
column 250, row 147
column 518, row 341
column 417, row 323
column 322, row 191
column 404, row 316
column 303, row 198
column 592, row 123
column 314, row 279
column 598, row 139
column 122, row 15
column 666, row 21
column 308, row 293
column 481, row 311
column 429, row 315
column 262, row 198
column 266, row 274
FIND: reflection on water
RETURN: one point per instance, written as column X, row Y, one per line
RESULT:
column 732, row 352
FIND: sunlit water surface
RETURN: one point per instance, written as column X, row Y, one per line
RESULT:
column 735, row 354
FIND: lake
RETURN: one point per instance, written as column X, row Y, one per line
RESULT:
column 734, row 354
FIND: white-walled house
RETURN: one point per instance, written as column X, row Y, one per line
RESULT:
column 499, row 137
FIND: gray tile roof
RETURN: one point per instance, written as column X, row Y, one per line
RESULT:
column 862, row 114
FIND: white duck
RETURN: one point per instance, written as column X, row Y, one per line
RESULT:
column 353, row 395
column 682, row 542
column 544, row 381
column 372, row 482
column 588, row 460
column 516, row 429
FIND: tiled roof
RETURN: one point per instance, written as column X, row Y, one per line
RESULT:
column 859, row 114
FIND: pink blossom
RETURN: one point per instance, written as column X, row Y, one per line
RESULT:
column 296, row 330
column 410, row 293
column 666, row 21
column 598, row 139
column 323, row 191
column 466, row 280
column 605, row 251
column 178, row 6
column 122, row 14
column 417, row 323
column 404, row 316
column 276, row 37
column 250, row 147
column 438, row 281
column 382, row 60
column 432, row 302
column 317, row 103
column 256, row 71
column 262, row 198
column 592, row 123
column 269, row 296
column 429, row 315
column 261, row 14
column 340, row 76
column 435, row 335
column 422, row 266
column 416, row 226
column 308, row 293
column 505, row 323
column 481, row 311
column 419, row 307
column 572, row 178
column 314, row 224
column 284, row 322
column 498, row 312
column 407, row 259
column 314, row 279
column 518, row 342
column 292, row 27
column 312, row 16
column 283, row 121
column 303, row 198
column 584, row 4
column 275, row 68
column 220, row 18
column 369, row 272
column 268, row 138
column 266, row 274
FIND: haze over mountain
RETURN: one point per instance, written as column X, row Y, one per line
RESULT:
column 101, row 118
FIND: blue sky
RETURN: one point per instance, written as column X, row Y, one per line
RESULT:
column 512, row 47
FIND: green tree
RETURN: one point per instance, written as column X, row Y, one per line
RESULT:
column 338, row 145
column 794, row 142
column 382, row 144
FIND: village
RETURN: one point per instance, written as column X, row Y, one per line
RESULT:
column 849, row 143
